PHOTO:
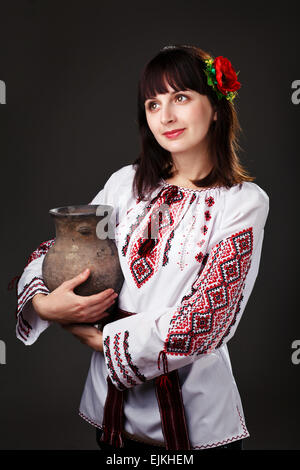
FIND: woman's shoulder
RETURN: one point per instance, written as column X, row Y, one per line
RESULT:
column 244, row 204
column 126, row 172
column 116, row 185
column 245, row 200
column 247, row 191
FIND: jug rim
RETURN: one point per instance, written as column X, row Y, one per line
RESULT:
column 79, row 210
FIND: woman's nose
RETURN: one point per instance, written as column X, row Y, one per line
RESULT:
column 166, row 115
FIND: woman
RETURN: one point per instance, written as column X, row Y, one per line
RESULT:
column 189, row 232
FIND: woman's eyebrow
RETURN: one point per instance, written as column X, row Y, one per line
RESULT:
column 172, row 93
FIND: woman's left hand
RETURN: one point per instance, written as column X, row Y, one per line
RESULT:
column 87, row 334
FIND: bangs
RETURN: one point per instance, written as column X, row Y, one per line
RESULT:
column 176, row 68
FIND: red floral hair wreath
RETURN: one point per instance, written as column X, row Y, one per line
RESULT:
column 222, row 77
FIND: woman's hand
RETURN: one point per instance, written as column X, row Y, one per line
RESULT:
column 88, row 335
column 64, row 306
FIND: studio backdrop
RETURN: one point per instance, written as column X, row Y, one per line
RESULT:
column 68, row 91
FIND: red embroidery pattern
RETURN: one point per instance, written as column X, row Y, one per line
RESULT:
column 89, row 420
column 199, row 257
column 109, row 363
column 193, row 198
column 145, row 254
column 205, row 446
column 167, row 248
column 209, row 201
column 227, row 441
column 42, row 249
column 201, row 322
column 23, row 327
column 204, row 261
column 139, row 220
column 129, row 359
column 207, row 215
column 22, row 336
column 35, row 286
column 119, row 361
column 195, row 283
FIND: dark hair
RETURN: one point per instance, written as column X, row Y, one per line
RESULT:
column 183, row 68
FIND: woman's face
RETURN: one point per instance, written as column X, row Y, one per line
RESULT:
column 188, row 110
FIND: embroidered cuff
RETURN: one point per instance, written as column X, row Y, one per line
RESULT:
column 121, row 369
column 36, row 286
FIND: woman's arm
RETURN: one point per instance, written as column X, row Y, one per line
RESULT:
column 29, row 325
column 88, row 335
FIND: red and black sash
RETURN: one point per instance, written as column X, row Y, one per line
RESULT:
column 169, row 397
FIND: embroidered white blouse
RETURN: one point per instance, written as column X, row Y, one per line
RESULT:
column 189, row 293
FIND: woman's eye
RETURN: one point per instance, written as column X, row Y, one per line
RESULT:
column 181, row 96
column 153, row 103
column 150, row 106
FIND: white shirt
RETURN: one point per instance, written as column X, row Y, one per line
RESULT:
column 188, row 293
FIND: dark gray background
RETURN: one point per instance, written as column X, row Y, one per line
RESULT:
column 71, row 70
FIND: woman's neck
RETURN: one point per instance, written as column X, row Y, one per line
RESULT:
column 186, row 169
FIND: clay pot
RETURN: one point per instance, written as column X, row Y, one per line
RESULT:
column 77, row 247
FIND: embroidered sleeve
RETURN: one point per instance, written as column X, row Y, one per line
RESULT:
column 148, row 344
column 28, row 324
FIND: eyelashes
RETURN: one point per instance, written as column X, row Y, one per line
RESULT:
column 149, row 105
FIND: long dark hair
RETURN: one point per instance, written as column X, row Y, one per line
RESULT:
column 183, row 68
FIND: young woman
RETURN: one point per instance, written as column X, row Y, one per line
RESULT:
column 160, row 374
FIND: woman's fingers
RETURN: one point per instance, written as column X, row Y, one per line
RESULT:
column 98, row 308
column 77, row 280
column 96, row 311
column 91, row 299
column 100, row 297
column 66, row 306
column 97, row 317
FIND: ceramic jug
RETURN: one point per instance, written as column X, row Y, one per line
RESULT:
column 82, row 241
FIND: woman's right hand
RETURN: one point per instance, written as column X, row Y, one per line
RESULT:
column 63, row 306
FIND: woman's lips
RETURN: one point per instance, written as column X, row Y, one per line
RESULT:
column 172, row 135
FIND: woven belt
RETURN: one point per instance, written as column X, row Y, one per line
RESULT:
column 168, row 393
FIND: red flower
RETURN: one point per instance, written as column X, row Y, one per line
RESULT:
column 225, row 75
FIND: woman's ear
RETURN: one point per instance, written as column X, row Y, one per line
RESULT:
column 215, row 116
